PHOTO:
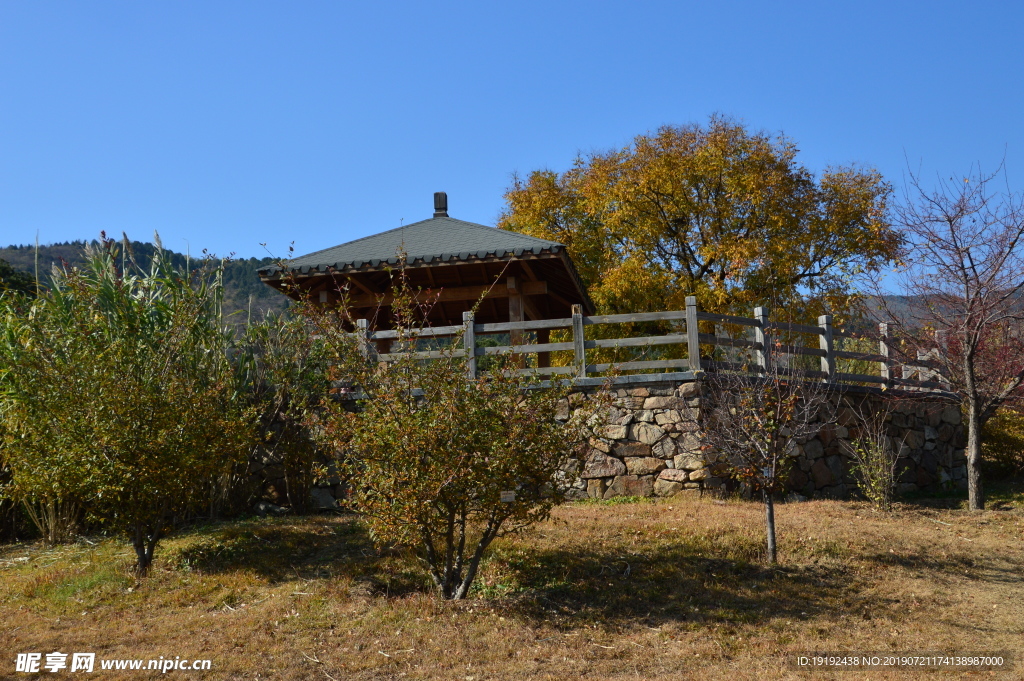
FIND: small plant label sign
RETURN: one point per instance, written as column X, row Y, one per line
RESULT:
column 508, row 497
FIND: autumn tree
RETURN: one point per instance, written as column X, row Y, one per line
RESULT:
column 962, row 280
column 436, row 461
column 116, row 394
column 752, row 423
column 716, row 211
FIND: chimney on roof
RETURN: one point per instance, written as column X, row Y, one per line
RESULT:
column 440, row 205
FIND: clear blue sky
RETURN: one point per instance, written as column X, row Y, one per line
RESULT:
column 225, row 124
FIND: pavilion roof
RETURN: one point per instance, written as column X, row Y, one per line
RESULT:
column 438, row 239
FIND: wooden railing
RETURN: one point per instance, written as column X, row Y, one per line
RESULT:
column 770, row 346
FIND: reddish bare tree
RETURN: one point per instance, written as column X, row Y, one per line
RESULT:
column 963, row 273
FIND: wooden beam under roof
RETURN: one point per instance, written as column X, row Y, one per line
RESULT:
column 500, row 290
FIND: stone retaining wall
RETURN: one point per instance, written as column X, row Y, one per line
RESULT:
column 648, row 446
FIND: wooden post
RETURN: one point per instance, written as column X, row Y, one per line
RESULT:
column 578, row 341
column 469, row 344
column 515, row 314
column 543, row 358
column 763, row 356
column 828, row 362
column 883, row 350
column 938, row 355
column 692, row 337
column 923, row 372
column 363, row 338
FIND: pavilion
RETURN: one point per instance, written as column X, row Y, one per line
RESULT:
column 452, row 262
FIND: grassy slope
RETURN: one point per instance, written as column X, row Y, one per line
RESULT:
column 666, row 589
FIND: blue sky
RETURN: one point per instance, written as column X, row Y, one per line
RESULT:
column 226, row 124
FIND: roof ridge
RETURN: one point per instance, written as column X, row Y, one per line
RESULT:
column 423, row 222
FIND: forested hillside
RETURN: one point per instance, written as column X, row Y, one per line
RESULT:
column 243, row 290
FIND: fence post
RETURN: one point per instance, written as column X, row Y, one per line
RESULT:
column 764, row 355
column 939, row 357
column 578, row 341
column 924, row 373
column 469, row 343
column 692, row 334
column 828, row 362
column 883, row 350
column 363, row 337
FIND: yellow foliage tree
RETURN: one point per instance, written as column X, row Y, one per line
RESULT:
column 715, row 211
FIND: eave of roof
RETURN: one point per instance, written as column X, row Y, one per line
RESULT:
column 437, row 240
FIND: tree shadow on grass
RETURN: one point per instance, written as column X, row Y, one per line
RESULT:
column 312, row 547
column 671, row 583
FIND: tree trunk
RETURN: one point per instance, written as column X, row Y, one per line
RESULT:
column 975, row 496
column 769, row 515
column 143, row 556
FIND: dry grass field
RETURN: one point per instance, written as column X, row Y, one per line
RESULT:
column 668, row 589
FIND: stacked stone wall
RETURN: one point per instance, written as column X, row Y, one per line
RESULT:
column 648, row 446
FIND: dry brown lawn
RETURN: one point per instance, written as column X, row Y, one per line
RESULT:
column 671, row 589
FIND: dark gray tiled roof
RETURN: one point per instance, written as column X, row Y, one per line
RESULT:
column 439, row 238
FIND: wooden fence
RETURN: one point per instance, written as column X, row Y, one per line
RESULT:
column 769, row 346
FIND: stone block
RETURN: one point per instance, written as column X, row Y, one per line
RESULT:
column 673, row 475
column 813, row 449
column 613, row 432
column 924, row 478
column 645, row 465
column 666, row 418
column 847, row 417
column 688, row 389
column 596, row 488
column 821, row 475
column 835, row 466
column 666, row 488
column 832, row 492
column 602, row 466
column 648, row 433
column 797, row 479
column 689, row 443
column 906, row 471
column 645, row 415
column 664, row 403
column 951, row 414
column 664, row 449
column 639, row 392
column 630, row 486
column 700, row 474
column 689, row 462
column 624, row 449
column 914, row 439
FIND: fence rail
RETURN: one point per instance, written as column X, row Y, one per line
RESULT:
column 765, row 341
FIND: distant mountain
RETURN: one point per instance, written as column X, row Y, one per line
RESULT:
column 243, row 290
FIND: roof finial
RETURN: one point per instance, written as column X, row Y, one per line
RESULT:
column 440, row 205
